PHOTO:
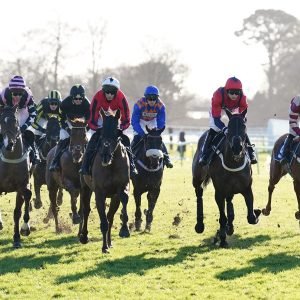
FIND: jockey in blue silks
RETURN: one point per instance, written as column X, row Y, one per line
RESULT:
column 149, row 111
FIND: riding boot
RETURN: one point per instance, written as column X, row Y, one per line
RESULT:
column 133, row 170
column 135, row 144
column 62, row 144
column 89, row 155
column 206, row 150
column 286, row 149
column 167, row 160
column 251, row 151
column 28, row 138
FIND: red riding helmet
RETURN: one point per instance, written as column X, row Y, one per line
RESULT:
column 233, row 83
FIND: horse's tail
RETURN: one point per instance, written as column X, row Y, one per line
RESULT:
column 206, row 180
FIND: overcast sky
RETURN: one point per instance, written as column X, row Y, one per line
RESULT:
column 202, row 32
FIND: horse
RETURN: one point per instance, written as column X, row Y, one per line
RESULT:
column 230, row 173
column 45, row 144
column 15, row 170
column 110, row 178
column 149, row 162
column 277, row 171
column 68, row 177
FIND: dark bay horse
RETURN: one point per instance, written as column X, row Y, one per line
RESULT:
column 277, row 171
column 45, row 144
column 231, row 174
column 15, row 170
column 110, row 179
column 68, row 177
column 149, row 162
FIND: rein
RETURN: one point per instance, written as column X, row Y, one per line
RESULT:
column 246, row 161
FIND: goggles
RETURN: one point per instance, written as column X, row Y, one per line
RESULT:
column 234, row 92
column 151, row 97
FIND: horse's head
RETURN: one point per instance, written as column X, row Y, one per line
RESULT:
column 110, row 136
column 153, row 146
column 10, row 128
column 236, row 135
column 78, row 139
column 52, row 131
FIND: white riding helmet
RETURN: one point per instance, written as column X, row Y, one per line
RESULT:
column 111, row 81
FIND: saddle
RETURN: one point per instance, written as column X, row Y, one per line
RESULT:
column 294, row 151
column 216, row 144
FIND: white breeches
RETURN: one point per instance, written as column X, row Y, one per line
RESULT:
column 22, row 116
column 151, row 124
column 42, row 122
column 63, row 134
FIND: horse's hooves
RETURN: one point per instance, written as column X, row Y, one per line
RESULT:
column 230, row 230
column 25, row 232
column 257, row 212
column 37, row 204
column 265, row 212
column 105, row 250
column 199, row 227
column 138, row 226
column 1, row 226
column 297, row 215
column 76, row 219
column 124, row 232
column 17, row 245
column 83, row 239
column 223, row 244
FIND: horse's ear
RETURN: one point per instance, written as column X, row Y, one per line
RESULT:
column 244, row 114
column 228, row 113
column 120, row 132
column 102, row 113
column 162, row 129
column 147, row 128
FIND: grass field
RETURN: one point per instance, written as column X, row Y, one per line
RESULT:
column 172, row 262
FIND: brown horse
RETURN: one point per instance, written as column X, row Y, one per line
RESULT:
column 149, row 162
column 277, row 171
column 110, row 178
column 15, row 170
column 45, row 144
column 231, row 174
column 68, row 177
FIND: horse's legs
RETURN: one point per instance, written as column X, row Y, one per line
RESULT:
column 1, row 222
column 221, row 233
column 297, row 191
column 199, row 227
column 275, row 176
column 100, row 203
column 60, row 196
column 37, row 190
column 113, row 207
column 253, row 214
column 17, row 216
column 138, row 213
column 230, row 215
column 152, row 197
column 124, row 231
column 76, row 219
column 52, row 189
column 85, row 208
column 25, row 228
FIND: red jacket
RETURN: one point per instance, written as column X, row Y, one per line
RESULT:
column 216, row 103
column 118, row 102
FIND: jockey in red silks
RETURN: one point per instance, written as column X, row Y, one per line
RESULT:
column 108, row 98
column 230, row 97
column 294, row 130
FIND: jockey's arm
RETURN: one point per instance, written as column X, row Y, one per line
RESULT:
column 161, row 118
column 135, row 120
column 32, row 114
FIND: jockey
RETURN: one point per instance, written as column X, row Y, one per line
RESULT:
column 110, row 97
column 294, row 130
column 47, row 108
column 149, row 111
column 17, row 93
column 230, row 97
column 76, row 105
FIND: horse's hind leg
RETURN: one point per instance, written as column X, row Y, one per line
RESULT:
column 138, row 213
column 25, row 228
column 17, row 216
column 37, row 190
column 230, row 215
column 124, row 231
column 85, row 208
column 199, row 227
column 152, row 197
column 297, row 191
column 52, row 189
column 221, row 233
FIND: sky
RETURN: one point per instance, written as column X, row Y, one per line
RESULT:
column 201, row 32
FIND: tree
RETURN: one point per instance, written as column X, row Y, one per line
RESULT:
column 279, row 33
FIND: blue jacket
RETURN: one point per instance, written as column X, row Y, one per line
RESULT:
column 143, row 111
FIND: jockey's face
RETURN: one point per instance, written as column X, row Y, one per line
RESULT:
column 16, row 95
column 110, row 92
column 151, row 100
column 234, row 94
column 77, row 100
column 53, row 105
